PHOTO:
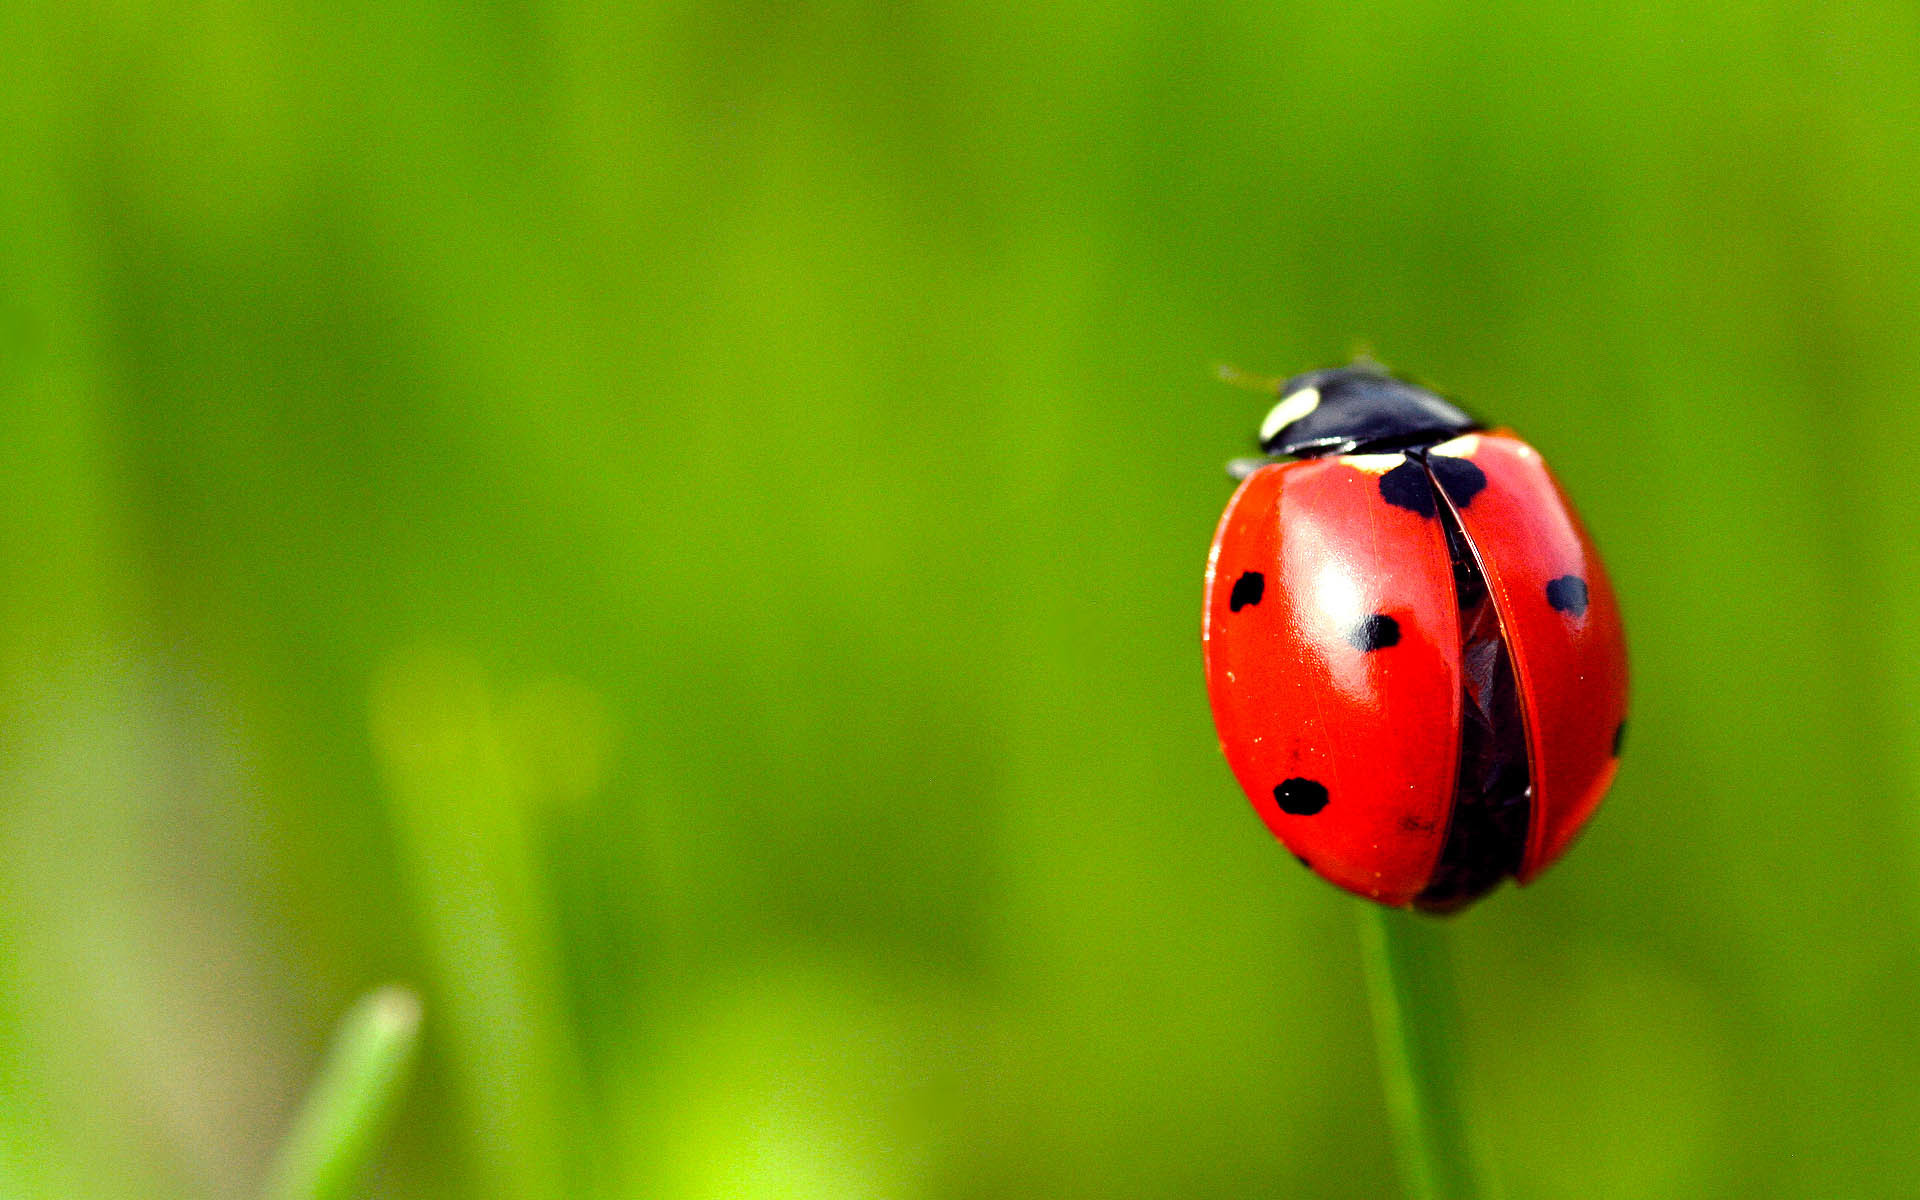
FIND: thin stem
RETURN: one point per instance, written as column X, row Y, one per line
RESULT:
column 1415, row 1021
column 339, row 1125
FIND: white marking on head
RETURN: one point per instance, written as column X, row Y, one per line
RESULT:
column 1373, row 464
column 1463, row 446
column 1288, row 411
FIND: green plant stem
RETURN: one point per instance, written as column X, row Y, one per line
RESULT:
column 1416, row 1022
column 339, row 1124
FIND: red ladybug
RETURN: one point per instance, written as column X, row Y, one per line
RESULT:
column 1414, row 656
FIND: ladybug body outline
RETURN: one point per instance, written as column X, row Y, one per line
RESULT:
column 1423, row 693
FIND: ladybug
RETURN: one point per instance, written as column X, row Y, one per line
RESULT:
column 1413, row 654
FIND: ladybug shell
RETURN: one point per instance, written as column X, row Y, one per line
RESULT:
column 1333, row 653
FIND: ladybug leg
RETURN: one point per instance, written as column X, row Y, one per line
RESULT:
column 1240, row 468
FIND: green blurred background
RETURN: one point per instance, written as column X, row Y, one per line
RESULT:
column 677, row 529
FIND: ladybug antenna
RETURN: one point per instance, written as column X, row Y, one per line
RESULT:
column 1234, row 376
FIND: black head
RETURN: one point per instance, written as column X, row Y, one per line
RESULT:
column 1347, row 410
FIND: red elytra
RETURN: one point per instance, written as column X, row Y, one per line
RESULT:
column 1334, row 654
column 1572, row 667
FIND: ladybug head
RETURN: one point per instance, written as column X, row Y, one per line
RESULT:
column 1357, row 409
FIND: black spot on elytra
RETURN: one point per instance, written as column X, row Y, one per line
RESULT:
column 1247, row 590
column 1406, row 487
column 1300, row 797
column 1459, row 478
column 1568, row 594
column 1619, row 737
column 1377, row 632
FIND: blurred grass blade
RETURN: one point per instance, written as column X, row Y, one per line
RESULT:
column 338, row 1128
column 1416, row 1024
column 469, row 827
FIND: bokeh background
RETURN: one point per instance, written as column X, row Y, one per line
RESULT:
column 676, row 529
